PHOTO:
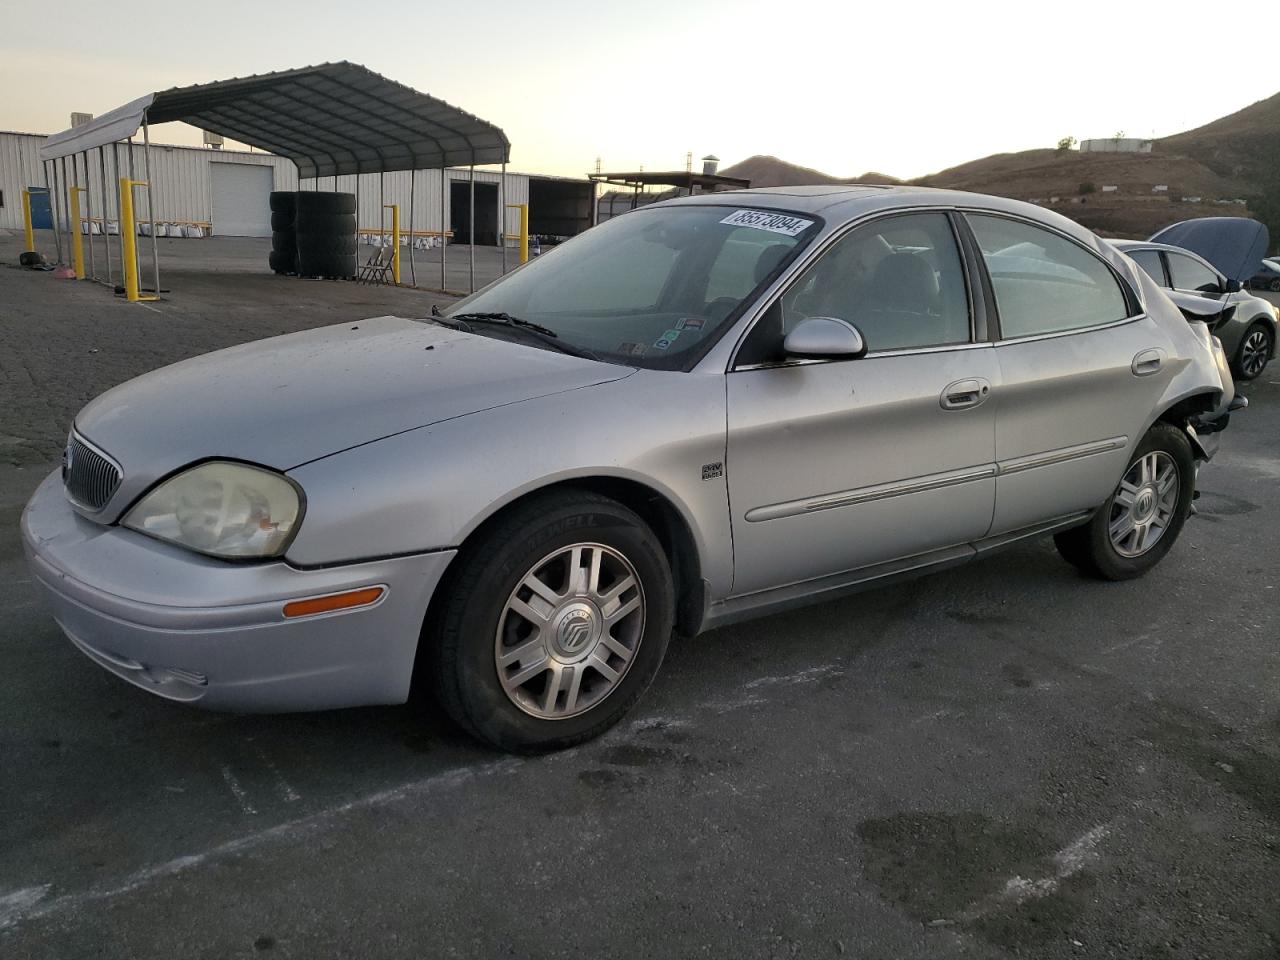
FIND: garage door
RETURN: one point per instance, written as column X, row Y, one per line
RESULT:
column 241, row 200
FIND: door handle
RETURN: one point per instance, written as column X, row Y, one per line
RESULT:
column 964, row 394
column 1147, row 362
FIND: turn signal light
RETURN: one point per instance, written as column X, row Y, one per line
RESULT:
column 337, row 601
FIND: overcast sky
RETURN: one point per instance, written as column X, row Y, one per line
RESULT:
column 905, row 89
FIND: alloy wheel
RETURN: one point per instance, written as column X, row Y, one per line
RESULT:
column 1144, row 504
column 570, row 631
column 1254, row 353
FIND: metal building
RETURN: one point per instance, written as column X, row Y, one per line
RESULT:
column 1116, row 145
column 227, row 190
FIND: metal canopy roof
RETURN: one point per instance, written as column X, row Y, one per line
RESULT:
column 335, row 118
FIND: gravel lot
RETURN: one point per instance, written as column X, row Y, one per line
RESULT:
column 1000, row 760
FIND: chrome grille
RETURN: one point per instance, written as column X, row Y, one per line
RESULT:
column 90, row 478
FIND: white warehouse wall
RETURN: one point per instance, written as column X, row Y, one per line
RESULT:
column 183, row 184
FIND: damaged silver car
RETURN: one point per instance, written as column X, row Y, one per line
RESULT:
column 699, row 412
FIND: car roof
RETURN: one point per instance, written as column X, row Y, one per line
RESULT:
column 1148, row 245
column 846, row 201
column 1129, row 246
column 839, row 204
column 803, row 199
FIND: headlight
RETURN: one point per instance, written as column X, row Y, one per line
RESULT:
column 223, row 509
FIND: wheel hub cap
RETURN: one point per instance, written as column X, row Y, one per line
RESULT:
column 576, row 630
column 569, row 631
column 1144, row 504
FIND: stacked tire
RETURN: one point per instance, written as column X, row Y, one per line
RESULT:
column 284, row 244
column 325, row 234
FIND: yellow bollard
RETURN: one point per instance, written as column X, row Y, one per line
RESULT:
column 26, row 220
column 395, row 241
column 524, row 233
column 77, row 240
column 129, row 237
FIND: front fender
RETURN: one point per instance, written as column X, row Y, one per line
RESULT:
column 429, row 489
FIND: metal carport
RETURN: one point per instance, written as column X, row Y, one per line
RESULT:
column 329, row 119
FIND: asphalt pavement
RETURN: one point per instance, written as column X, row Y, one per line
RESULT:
column 1004, row 759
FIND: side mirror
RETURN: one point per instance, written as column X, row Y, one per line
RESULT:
column 1231, row 286
column 826, row 338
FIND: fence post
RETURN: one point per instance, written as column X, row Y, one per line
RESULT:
column 129, row 239
column 26, row 220
column 395, row 241
column 77, row 239
column 524, row 233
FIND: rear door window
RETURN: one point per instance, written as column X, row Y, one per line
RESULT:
column 1149, row 260
column 1045, row 283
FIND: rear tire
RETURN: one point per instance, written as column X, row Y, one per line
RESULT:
column 1254, row 352
column 1275, row 286
column 1140, row 521
column 530, row 670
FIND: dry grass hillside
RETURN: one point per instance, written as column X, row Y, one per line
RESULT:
column 1242, row 146
column 1037, row 174
column 765, row 171
column 1232, row 158
column 1056, row 180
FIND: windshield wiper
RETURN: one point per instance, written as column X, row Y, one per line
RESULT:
column 537, row 331
column 504, row 318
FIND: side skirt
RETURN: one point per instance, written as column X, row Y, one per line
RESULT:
column 777, row 599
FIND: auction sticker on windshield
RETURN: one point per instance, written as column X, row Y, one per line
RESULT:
column 764, row 220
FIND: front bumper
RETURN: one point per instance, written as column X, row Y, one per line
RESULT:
column 213, row 633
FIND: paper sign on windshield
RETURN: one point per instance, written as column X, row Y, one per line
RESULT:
column 764, row 220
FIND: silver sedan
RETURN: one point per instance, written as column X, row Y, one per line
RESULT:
column 1246, row 324
column 699, row 412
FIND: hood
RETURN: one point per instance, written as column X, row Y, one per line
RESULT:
column 288, row 400
column 1234, row 245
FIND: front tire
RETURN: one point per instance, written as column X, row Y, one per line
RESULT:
column 1140, row 521
column 554, row 622
column 1254, row 352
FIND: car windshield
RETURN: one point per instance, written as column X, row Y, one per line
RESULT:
column 651, row 288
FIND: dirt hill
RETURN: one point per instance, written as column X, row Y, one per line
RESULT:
column 1073, row 183
column 1036, row 174
column 765, row 171
column 1242, row 146
column 1204, row 171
